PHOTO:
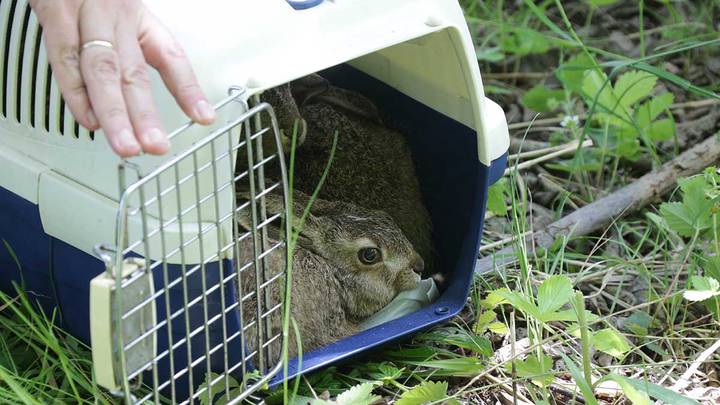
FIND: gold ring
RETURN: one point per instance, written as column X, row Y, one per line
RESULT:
column 92, row 44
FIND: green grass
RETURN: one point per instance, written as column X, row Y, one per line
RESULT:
column 617, row 308
column 660, row 333
column 40, row 363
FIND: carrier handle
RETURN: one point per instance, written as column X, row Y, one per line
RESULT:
column 303, row 4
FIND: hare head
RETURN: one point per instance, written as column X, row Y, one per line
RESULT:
column 373, row 260
column 369, row 257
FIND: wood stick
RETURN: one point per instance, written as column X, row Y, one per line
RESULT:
column 521, row 144
column 567, row 149
column 630, row 198
column 539, row 152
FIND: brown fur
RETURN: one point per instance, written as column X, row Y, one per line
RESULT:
column 332, row 291
column 373, row 166
column 287, row 115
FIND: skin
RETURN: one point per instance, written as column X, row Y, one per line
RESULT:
column 109, row 88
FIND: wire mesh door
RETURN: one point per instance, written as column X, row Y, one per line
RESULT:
column 193, row 305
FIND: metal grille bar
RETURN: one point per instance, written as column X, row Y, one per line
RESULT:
column 180, row 210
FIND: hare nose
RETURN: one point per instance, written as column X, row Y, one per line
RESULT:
column 417, row 264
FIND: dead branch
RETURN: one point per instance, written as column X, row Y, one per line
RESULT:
column 630, row 198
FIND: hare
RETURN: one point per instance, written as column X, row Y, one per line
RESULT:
column 348, row 263
column 372, row 167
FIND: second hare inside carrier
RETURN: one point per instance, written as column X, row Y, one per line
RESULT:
column 372, row 164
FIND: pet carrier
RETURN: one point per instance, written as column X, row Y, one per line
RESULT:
column 160, row 300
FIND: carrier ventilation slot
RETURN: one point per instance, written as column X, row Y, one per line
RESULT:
column 30, row 95
column 7, row 19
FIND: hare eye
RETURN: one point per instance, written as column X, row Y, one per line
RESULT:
column 369, row 255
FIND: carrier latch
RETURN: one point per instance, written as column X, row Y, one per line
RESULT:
column 122, row 322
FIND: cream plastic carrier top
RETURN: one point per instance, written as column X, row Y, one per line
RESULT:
column 420, row 47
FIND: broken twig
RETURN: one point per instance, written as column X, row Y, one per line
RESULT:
column 599, row 213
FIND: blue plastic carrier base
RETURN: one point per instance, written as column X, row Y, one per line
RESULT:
column 454, row 185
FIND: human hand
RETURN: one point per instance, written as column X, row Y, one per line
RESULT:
column 99, row 51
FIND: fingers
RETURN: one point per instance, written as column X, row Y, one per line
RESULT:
column 108, row 86
column 167, row 56
column 137, row 91
column 60, row 31
column 100, row 68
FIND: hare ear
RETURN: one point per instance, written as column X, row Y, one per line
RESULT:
column 314, row 88
column 308, row 87
column 286, row 112
column 351, row 102
column 275, row 204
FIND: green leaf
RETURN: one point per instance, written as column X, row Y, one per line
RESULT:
column 670, row 77
column 705, row 283
column 678, row 218
column 590, row 163
column 234, row 393
column 498, row 328
column 580, row 381
column 518, row 301
column 539, row 371
column 360, row 394
column 711, row 267
column 386, row 373
column 694, row 213
column 491, row 301
column 553, row 293
column 483, row 321
column 633, row 86
column 704, row 288
column 651, row 109
column 661, row 130
column 215, row 389
column 657, row 220
column 493, row 54
column 412, row 353
column 627, row 144
column 712, row 178
column 571, row 73
column 597, row 89
column 657, row 349
column 428, row 391
column 660, row 393
column 637, row 397
column 695, row 198
column 496, row 198
column 640, row 323
column 523, row 41
column 541, row 99
column 611, row 342
column 459, row 367
column 461, row 338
